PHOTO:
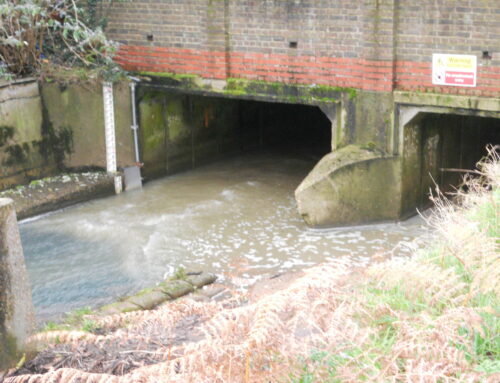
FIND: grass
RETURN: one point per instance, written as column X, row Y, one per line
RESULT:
column 76, row 320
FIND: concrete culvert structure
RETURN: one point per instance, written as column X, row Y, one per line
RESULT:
column 182, row 131
column 439, row 150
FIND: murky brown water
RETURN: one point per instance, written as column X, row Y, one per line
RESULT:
column 235, row 218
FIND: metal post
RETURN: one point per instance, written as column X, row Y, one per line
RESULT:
column 133, row 179
column 134, row 126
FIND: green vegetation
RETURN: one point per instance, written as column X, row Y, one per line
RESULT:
column 172, row 76
column 42, row 33
column 293, row 93
column 288, row 92
column 179, row 274
column 75, row 320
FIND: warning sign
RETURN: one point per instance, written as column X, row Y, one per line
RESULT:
column 454, row 70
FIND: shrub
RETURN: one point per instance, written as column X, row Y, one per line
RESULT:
column 33, row 32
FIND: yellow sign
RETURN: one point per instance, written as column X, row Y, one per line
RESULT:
column 454, row 70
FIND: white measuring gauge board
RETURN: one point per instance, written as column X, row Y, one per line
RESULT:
column 454, row 70
column 109, row 126
column 109, row 129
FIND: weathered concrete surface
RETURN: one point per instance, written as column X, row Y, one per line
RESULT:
column 48, row 127
column 17, row 316
column 20, row 105
column 21, row 134
column 79, row 108
column 435, row 145
column 150, row 298
column 53, row 193
column 181, row 131
column 372, row 122
column 484, row 104
column 350, row 186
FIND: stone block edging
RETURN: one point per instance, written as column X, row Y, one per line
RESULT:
column 150, row 298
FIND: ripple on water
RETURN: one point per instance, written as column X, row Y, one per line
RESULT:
column 235, row 218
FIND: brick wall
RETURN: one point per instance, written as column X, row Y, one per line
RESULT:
column 376, row 45
column 447, row 26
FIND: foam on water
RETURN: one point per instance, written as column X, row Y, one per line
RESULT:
column 236, row 218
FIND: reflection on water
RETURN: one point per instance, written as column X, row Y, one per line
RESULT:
column 235, row 218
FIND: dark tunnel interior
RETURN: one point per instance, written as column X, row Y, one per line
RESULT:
column 450, row 146
column 293, row 127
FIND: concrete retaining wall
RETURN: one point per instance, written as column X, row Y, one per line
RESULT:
column 21, row 121
column 49, row 127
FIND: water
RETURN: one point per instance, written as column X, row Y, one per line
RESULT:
column 236, row 218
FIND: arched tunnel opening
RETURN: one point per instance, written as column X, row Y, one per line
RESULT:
column 183, row 131
column 439, row 150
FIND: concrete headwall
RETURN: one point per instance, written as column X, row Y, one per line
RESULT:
column 49, row 127
column 352, row 58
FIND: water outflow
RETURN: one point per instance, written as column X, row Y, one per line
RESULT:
column 236, row 218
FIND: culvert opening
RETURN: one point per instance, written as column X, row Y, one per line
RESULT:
column 181, row 132
column 303, row 129
column 443, row 149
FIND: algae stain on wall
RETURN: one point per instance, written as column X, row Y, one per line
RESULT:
column 176, row 121
column 151, row 109
column 180, row 131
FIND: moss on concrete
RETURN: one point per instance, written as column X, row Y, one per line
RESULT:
column 291, row 93
column 9, row 353
column 118, row 308
column 177, row 126
column 243, row 88
column 147, row 299
column 350, row 186
column 176, row 288
column 78, row 108
column 180, row 131
column 185, row 81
